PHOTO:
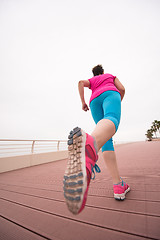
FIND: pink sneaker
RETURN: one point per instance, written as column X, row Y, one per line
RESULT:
column 120, row 190
column 82, row 161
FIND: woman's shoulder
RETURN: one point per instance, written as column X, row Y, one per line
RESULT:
column 101, row 77
column 108, row 75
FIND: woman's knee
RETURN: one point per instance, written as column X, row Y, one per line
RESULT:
column 108, row 146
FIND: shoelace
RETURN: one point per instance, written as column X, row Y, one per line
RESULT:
column 97, row 169
column 121, row 183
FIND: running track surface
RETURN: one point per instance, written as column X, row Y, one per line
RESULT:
column 32, row 204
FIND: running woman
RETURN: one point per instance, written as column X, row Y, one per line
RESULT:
column 105, row 105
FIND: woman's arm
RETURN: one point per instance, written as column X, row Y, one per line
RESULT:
column 81, row 85
column 120, row 87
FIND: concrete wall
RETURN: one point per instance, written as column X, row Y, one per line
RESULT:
column 17, row 162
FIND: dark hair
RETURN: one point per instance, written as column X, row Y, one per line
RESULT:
column 97, row 70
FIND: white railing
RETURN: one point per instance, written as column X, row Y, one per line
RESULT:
column 12, row 147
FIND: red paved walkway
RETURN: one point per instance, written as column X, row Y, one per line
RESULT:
column 32, row 204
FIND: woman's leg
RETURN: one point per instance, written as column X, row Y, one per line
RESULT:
column 111, row 163
column 104, row 131
column 82, row 152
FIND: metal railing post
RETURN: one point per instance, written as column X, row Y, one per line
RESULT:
column 32, row 151
column 58, row 145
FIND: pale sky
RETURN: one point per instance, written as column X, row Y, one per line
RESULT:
column 47, row 46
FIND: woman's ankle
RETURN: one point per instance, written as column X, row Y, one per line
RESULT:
column 117, row 181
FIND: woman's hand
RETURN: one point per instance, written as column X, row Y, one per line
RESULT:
column 85, row 107
column 81, row 85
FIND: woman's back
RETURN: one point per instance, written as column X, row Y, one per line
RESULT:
column 102, row 83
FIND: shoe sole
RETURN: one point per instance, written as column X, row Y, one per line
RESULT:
column 75, row 177
column 121, row 196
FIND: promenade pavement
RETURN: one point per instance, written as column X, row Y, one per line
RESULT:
column 32, row 205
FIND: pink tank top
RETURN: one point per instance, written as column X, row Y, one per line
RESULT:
column 102, row 83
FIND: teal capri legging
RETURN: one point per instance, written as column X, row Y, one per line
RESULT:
column 107, row 106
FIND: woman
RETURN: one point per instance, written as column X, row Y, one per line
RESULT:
column 105, row 105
